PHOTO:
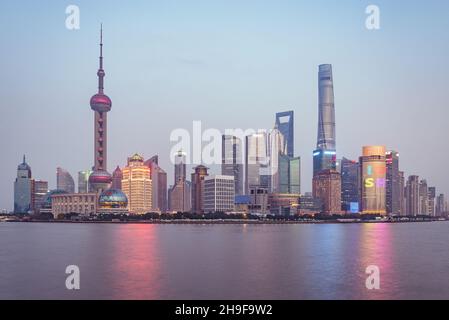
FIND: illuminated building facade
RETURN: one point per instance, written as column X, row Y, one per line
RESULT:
column 283, row 204
column 327, row 187
column 373, row 180
column 112, row 201
column 137, row 185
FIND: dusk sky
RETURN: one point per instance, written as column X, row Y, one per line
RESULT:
column 230, row 64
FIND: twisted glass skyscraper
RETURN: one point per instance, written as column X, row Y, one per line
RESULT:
column 324, row 157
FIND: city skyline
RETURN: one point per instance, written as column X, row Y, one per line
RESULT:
column 47, row 155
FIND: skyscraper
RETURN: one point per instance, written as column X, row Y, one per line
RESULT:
column 423, row 198
column 83, row 181
column 412, row 196
column 117, row 177
column 256, row 158
column 40, row 189
column 440, row 205
column 349, row 185
column 285, row 124
column 402, row 193
column 372, row 180
column 180, row 166
column 219, row 194
column 324, row 157
column 23, row 189
column 431, row 198
column 64, row 181
column 137, row 185
column 197, row 189
column 101, row 104
column 289, row 172
column 179, row 197
column 159, row 178
column 327, row 188
column 393, row 193
column 232, row 161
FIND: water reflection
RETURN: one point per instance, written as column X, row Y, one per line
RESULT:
column 136, row 263
column 376, row 248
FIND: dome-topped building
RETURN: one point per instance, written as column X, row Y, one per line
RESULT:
column 112, row 201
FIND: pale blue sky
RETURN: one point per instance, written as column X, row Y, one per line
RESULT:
column 229, row 64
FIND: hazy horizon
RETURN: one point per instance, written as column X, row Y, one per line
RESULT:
column 228, row 64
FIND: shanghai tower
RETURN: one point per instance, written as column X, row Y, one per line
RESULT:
column 324, row 157
column 100, row 103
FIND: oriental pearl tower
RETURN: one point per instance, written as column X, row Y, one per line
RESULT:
column 100, row 103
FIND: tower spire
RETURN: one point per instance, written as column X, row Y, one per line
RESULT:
column 24, row 159
column 101, row 72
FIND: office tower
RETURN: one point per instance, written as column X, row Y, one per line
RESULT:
column 285, row 124
column 431, row 198
column 423, row 198
column 289, row 172
column 440, row 205
column 324, row 157
column 180, row 166
column 270, row 171
column 403, row 210
column 393, row 188
column 159, row 179
column 117, row 177
column 100, row 179
column 64, row 181
column 23, row 189
column 219, row 193
column 83, row 181
column 349, row 185
column 372, row 180
column 327, row 187
column 256, row 160
column 179, row 197
column 137, row 185
column 232, row 161
column 197, row 189
column 412, row 196
column 40, row 189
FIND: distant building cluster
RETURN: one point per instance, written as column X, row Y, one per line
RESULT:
column 260, row 175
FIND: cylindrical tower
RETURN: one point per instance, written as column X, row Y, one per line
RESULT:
column 100, row 103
